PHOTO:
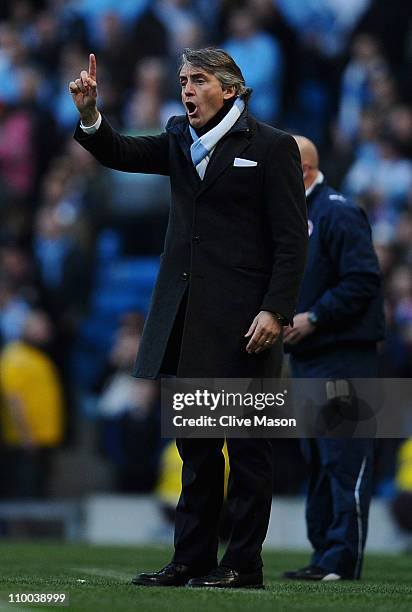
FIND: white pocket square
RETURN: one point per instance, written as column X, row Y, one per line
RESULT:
column 244, row 163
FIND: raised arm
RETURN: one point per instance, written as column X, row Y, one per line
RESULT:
column 84, row 93
column 148, row 154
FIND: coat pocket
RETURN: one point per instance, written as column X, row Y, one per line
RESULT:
column 253, row 269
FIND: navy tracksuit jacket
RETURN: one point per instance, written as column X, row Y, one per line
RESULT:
column 342, row 285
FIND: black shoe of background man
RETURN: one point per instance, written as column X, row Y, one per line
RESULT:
column 227, row 578
column 311, row 572
column 174, row 574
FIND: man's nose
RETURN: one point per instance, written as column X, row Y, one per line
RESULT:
column 189, row 89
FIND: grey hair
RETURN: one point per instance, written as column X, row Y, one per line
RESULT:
column 221, row 65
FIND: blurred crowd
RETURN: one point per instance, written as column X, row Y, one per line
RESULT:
column 79, row 244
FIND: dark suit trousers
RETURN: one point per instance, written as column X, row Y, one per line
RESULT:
column 200, row 503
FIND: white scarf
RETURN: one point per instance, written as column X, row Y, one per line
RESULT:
column 203, row 147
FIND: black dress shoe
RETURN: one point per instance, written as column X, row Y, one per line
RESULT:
column 174, row 574
column 227, row 578
column 311, row 572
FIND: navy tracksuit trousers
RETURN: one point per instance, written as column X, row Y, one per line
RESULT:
column 341, row 470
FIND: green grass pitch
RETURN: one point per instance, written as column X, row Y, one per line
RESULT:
column 97, row 578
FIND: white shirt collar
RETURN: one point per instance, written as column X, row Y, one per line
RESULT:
column 319, row 179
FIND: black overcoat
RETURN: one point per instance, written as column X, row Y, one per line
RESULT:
column 236, row 242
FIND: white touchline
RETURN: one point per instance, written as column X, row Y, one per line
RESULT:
column 98, row 571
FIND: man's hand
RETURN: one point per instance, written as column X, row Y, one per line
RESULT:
column 302, row 327
column 84, row 93
column 263, row 332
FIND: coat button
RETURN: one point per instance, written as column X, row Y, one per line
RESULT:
column 184, row 276
column 196, row 239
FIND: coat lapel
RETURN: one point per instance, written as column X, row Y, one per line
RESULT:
column 231, row 146
column 226, row 150
column 181, row 130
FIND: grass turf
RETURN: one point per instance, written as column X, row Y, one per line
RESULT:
column 106, row 572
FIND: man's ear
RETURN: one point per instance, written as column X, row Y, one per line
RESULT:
column 229, row 92
column 306, row 168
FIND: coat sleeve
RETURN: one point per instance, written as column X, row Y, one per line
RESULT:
column 148, row 154
column 286, row 212
column 346, row 236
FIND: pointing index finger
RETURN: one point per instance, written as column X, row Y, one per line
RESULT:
column 92, row 66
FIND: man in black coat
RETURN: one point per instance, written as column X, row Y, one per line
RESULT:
column 233, row 259
column 339, row 322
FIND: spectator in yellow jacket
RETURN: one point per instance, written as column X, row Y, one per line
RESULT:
column 32, row 415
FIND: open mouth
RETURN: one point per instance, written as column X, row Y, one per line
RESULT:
column 191, row 108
